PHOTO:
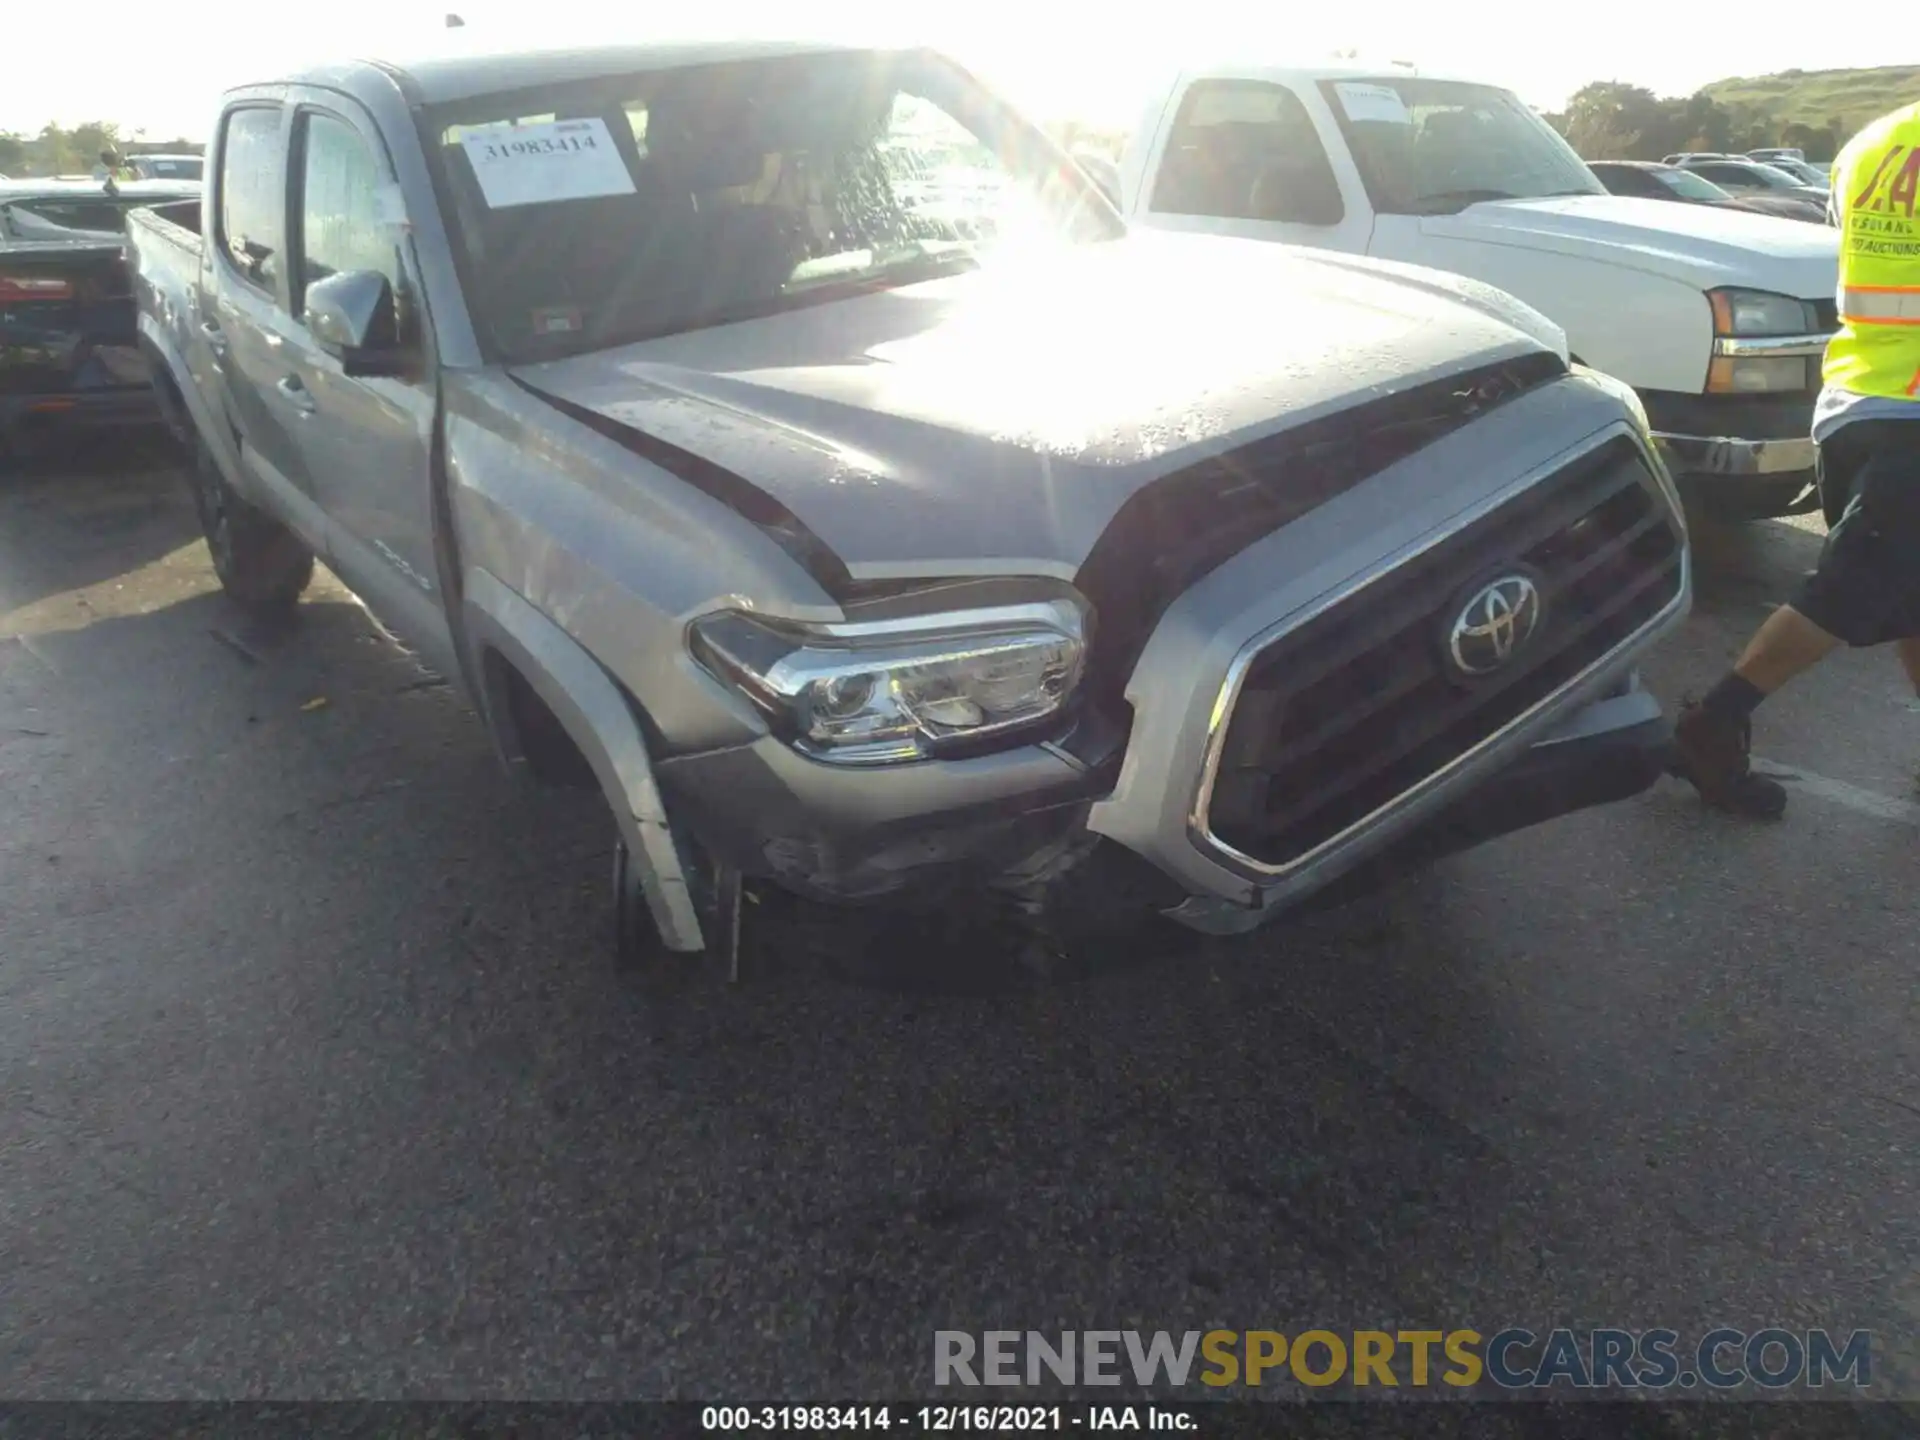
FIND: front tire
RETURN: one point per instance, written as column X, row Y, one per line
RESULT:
column 262, row 565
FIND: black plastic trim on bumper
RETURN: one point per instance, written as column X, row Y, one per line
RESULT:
column 1545, row 783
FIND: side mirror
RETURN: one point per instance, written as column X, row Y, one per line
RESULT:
column 352, row 316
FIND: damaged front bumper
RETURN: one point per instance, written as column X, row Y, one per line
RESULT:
column 1557, row 743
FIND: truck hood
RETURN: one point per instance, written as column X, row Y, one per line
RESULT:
column 994, row 422
column 1702, row 245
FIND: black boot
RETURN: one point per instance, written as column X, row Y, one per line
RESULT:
column 1711, row 753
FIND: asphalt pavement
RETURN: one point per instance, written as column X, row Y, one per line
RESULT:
column 315, row 1080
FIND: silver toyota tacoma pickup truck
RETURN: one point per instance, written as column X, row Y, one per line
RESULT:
column 790, row 441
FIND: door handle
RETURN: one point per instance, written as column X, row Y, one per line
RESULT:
column 295, row 393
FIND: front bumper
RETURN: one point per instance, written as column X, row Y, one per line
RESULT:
column 851, row 833
column 1750, row 452
column 1690, row 455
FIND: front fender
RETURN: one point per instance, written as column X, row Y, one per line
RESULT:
column 598, row 718
column 194, row 416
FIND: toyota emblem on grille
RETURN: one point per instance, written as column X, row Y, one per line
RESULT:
column 1495, row 622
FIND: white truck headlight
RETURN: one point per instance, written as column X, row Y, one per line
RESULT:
column 1743, row 314
column 1757, row 316
column 881, row 692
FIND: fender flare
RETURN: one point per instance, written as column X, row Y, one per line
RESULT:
column 598, row 718
column 199, row 424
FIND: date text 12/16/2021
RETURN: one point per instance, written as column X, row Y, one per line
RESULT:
column 947, row 1419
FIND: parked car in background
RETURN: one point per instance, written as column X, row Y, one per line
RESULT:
column 69, row 351
column 1649, row 181
column 165, row 167
column 1770, row 155
column 1687, row 155
column 872, row 556
column 1716, row 317
column 1749, row 177
column 1805, row 171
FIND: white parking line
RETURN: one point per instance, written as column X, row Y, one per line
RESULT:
column 1852, row 797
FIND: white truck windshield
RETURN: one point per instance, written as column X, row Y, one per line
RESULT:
column 1429, row 147
column 612, row 211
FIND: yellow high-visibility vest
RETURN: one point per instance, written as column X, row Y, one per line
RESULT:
column 1876, row 197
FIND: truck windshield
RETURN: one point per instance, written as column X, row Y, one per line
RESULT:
column 609, row 211
column 1432, row 147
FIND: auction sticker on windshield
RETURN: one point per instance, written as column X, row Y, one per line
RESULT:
column 537, row 164
column 1373, row 102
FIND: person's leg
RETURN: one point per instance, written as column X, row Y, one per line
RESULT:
column 1788, row 644
column 1909, row 652
column 1845, row 601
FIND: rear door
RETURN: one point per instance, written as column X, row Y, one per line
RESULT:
column 244, row 309
column 1246, row 157
column 365, row 442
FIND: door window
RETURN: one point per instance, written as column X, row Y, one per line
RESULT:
column 1245, row 150
column 341, row 226
column 253, row 195
column 1728, row 177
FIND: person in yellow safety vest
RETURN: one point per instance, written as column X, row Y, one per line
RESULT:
column 1866, row 424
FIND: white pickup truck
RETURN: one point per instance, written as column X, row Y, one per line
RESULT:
column 1717, row 318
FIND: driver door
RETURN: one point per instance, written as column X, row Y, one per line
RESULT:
column 366, row 440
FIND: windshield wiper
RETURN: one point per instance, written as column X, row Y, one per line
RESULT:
column 1451, row 202
column 912, row 270
column 925, row 267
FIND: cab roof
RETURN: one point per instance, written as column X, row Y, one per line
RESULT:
column 458, row 71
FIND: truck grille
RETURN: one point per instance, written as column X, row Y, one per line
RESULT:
column 1338, row 718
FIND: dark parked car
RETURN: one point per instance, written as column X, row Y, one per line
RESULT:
column 1805, row 171
column 1648, row 181
column 1747, row 178
column 68, row 331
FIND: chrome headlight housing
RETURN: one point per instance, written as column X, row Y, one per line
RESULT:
column 882, row 692
column 1763, row 344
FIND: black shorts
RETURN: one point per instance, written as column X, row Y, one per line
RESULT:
column 1866, row 589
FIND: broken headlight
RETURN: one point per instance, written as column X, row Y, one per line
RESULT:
column 879, row 692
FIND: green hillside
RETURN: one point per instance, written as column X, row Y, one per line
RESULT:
column 1813, row 97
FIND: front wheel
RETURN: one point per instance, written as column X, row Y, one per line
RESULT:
column 261, row 564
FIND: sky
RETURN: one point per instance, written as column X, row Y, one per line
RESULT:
column 160, row 67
